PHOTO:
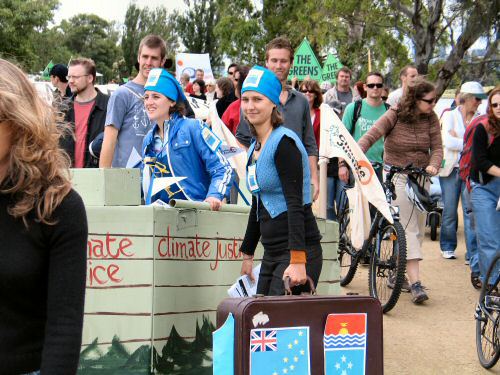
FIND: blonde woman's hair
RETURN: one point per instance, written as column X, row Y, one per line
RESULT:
column 37, row 175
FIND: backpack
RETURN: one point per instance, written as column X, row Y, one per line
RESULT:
column 465, row 162
column 357, row 113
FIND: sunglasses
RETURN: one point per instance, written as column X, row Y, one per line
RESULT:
column 303, row 91
column 478, row 99
column 230, row 73
column 494, row 105
column 373, row 85
column 429, row 101
column 384, row 98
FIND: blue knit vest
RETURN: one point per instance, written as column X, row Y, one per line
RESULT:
column 271, row 191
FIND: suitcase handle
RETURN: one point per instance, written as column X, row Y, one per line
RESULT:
column 288, row 290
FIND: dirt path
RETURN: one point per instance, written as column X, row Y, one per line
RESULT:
column 437, row 337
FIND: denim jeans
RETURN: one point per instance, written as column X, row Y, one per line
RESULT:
column 333, row 191
column 484, row 200
column 452, row 188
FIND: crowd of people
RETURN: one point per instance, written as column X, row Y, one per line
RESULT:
column 148, row 123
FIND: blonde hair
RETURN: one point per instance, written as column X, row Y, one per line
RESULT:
column 37, row 173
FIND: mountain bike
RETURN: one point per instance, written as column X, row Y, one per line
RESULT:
column 488, row 318
column 385, row 246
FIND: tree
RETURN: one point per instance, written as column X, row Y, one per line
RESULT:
column 483, row 15
column 196, row 28
column 140, row 22
column 428, row 24
column 20, row 22
column 240, row 31
column 88, row 35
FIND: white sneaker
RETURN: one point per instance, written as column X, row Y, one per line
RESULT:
column 448, row 254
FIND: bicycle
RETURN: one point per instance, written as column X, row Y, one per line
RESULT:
column 488, row 318
column 385, row 246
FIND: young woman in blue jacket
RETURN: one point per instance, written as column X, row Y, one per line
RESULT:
column 180, row 148
column 278, row 176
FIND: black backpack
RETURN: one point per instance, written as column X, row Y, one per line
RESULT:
column 357, row 113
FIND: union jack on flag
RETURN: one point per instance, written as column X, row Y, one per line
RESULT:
column 263, row 341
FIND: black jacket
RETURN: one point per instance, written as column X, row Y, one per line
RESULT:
column 96, row 122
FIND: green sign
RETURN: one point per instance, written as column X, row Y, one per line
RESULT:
column 305, row 63
column 330, row 68
column 45, row 73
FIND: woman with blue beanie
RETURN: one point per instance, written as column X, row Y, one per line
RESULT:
column 180, row 148
column 278, row 176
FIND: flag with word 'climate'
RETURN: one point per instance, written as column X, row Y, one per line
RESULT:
column 280, row 351
column 345, row 344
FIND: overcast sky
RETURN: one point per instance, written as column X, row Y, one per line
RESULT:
column 111, row 10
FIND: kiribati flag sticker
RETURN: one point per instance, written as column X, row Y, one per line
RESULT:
column 278, row 351
column 345, row 344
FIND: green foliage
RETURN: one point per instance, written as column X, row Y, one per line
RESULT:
column 195, row 28
column 20, row 22
column 239, row 32
column 140, row 22
column 88, row 35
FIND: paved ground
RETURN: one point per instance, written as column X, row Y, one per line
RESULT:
column 437, row 337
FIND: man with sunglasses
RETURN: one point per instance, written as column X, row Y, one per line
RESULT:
column 360, row 116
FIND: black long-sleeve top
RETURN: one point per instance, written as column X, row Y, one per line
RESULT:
column 42, row 288
column 484, row 155
column 294, row 229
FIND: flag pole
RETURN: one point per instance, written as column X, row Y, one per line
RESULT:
column 369, row 61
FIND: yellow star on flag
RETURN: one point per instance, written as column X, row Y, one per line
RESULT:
column 285, row 359
column 295, row 359
column 290, row 346
column 301, row 333
column 296, row 342
column 285, row 371
column 292, row 367
column 302, row 352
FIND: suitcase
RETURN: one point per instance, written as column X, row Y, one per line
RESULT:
column 265, row 326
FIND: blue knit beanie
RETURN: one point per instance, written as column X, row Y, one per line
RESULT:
column 159, row 80
column 263, row 81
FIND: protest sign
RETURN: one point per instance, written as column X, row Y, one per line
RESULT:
column 305, row 63
column 330, row 68
column 189, row 62
column 336, row 141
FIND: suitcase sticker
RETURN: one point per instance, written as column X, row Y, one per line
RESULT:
column 278, row 351
column 345, row 344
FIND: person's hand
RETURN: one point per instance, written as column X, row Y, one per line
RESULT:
column 431, row 170
column 315, row 184
column 215, row 203
column 344, row 174
column 297, row 274
column 453, row 133
column 247, row 267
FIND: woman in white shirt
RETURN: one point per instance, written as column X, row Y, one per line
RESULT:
column 453, row 124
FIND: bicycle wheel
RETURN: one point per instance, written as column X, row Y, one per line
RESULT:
column 346, row 254
column 488, row 322
column 388, row 260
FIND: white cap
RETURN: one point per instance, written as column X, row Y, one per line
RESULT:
column 475, row 88
column 210, row 82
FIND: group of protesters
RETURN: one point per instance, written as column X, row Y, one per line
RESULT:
column 148, row 123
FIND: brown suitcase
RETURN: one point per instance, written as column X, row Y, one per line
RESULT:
column 264, row 314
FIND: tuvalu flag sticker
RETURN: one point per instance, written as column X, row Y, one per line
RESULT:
column 278, row 351
column 345, row 344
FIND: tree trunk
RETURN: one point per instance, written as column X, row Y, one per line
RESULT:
column 482, row 16
column 425, row 33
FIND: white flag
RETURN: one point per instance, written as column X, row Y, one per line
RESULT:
column 336, row 141
column 238, row 160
